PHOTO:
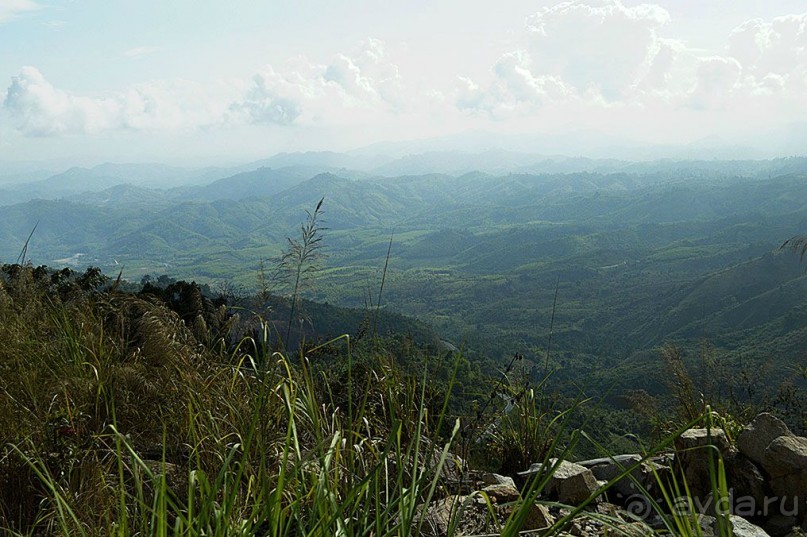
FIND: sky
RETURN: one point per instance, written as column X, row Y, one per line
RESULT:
column 196, row 81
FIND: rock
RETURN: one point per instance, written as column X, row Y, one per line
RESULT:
column 781, row 525
column 630, row 527
column 452, row 472
column 584, row 528
column 539, row 518
column 634, row 529
column 698, row 438
column 502, row 493
column 692, row 453
column 570, row 483
column 453, row 465
column 745, row 479
column 439, row 515
column 496, row 479
column 471, row 515
column 740, row 527
column 758, row 434
column 785, row 455
column 785, row 460
column 624, row 460
column 627, row 489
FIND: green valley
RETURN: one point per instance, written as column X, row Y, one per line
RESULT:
column 646, row 254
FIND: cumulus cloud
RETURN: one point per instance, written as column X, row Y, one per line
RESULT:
column 773, row 54
column 44, row 110
column 263, row 104
column 304, row 92
column 514, row 70
column 603, row 47
column 717, row 77
column 41, row 109
column 10, row 9
column 355, row 88
column 369, row 74
column 608, row 61
column 515, row 89
column 777, row 46
column 587, row 62
column 347, row 74
column 595, row 51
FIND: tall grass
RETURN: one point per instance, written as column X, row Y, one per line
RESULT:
column 117, row 418
column 118, row 421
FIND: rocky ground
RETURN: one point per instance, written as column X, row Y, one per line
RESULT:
column 766, row 480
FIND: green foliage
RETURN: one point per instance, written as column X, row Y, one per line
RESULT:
column 660, row 252
column 117, row 419
column 119, row 416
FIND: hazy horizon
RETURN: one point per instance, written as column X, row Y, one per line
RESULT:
column 182, row 83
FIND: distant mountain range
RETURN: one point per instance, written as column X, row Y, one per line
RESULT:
column 642, row 253
column 271, row 176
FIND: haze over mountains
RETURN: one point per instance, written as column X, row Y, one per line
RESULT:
column 641, row 252
column 24, row 181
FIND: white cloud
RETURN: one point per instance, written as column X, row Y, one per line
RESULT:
column 369, row 74
column 263, row 103
column 598, row 62
column 596, row 51
column 44, row 110
column 10, row 9
column 596, row 46
column 348, row 90
column 773, row 54
column 41, row 109
column 516, row 89
column 584, row 64
column 777, row 46
column 351, row 89
column 717, row 78
column 514, row 70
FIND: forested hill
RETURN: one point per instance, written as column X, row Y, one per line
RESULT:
column 642, row 255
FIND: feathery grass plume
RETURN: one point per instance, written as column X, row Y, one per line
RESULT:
column 264, row 283
column 301, row 260
column 689, row 403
